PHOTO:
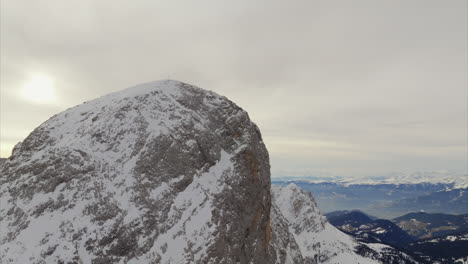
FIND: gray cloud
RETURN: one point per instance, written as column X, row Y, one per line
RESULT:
column 348, row 87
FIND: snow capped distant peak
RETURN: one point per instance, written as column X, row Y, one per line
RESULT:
column 457, row 180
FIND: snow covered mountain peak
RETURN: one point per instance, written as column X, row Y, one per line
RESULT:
column 154, row 173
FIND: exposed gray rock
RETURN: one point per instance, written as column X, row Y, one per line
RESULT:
column 2, row 161
column 163, row 172
column 283, row 246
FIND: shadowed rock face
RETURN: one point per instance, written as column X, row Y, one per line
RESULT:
column 163, row 172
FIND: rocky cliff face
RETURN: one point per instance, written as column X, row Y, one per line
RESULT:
column 163, row 172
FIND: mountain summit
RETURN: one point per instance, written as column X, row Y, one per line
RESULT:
column 163, row 172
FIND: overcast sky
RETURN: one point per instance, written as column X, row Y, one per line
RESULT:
column 346, row 87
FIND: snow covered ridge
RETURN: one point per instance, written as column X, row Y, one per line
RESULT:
column 457, row 180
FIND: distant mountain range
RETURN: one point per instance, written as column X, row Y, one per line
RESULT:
column 448, row 178
column 386, row 200
column 453, row 201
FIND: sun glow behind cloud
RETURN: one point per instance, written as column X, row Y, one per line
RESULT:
column 335, row 87
column 39, row 89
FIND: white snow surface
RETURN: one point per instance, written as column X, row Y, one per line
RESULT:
column 458, row 180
